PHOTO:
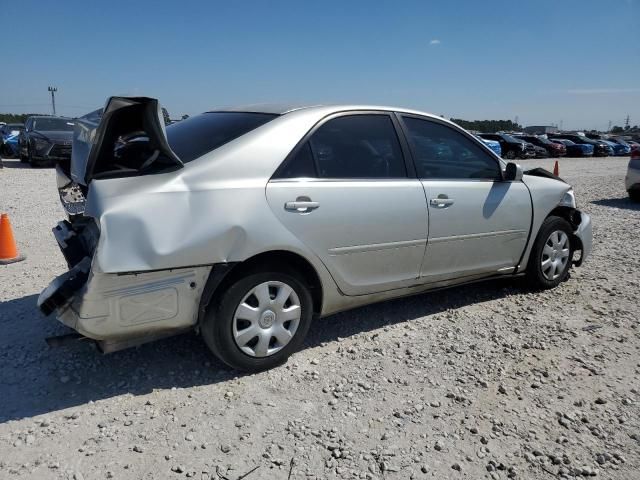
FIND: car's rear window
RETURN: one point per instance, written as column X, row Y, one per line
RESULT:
column 195, row 136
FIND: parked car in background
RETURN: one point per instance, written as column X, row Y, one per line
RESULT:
column 46, row 140
column 618, row 149
column 9, row 135
column 575, row 149
column 632, row 179
column 633, row 144
column 553, row 149
column 538, row 151
column 600, row 149
column 511, row 147
column 493, row 145
column 159, row 251
column 622, row 147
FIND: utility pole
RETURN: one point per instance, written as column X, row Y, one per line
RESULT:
column 609, row 129
column 560, row 124
column 626, row 123
column 53, row 91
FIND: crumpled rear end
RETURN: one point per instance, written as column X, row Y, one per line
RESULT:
column 118, row 309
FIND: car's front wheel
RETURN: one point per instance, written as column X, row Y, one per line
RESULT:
column 634, row 195
column 259, row 320
column 551, row 255
column 510, row 155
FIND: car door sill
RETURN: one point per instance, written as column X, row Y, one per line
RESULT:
column 450, row 282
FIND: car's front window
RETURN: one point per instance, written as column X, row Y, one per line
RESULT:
column 440, row 152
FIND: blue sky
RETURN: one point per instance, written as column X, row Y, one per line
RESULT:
column 544, row 61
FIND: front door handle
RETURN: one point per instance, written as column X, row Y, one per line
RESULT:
column 441, row 202
column 301, row 206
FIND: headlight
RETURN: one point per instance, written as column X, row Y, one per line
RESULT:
column 569, row 200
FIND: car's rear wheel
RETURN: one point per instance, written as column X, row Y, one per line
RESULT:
column 259, row 320
column 510, row 155
column 551, row 255
column 634, row 195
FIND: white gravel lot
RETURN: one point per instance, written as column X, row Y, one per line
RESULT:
column 482, row 381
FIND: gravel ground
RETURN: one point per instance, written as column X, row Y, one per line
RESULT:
column 481, row 381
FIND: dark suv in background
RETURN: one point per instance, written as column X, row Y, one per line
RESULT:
column 553, row 149
column 46, row 140
column 511, row 146
column 600, row 149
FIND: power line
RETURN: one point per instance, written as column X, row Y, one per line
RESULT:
column 53, row 91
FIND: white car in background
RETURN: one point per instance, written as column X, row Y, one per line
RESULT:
column 632, row 180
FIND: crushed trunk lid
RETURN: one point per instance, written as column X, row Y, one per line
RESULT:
column 128, row 138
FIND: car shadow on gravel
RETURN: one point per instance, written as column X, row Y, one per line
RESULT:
column 623, row 202
column 36, row 379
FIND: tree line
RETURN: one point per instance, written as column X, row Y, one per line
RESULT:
column 16, row 117
column 488, row 126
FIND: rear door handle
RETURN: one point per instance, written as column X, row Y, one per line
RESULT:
column 441, row 202
column 301, row 206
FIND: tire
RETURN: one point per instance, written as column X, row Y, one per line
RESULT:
column 634, row 195
column 510, row 155
column 30, row 158
column 221, row 325
column 546, row 249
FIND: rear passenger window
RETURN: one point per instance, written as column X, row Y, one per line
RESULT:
column 441, row 152
column 299, row 166
column 358, row 146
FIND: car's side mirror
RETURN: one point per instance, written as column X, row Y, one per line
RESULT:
column 513, row 172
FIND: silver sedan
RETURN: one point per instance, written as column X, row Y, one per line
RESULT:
column 245, row 224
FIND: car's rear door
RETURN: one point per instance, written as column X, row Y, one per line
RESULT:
column 346, row 194
column 478, row 223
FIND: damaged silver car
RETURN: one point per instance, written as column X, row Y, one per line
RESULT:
column 245, row 224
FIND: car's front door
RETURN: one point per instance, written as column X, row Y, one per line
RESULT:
column 345, row 193
column 478, row 223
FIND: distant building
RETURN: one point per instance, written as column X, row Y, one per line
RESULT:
column 540, row 129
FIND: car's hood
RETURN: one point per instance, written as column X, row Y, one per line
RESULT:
column 541, row 172
column 54, row 136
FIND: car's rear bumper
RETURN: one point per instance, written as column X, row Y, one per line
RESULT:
column 118, row 308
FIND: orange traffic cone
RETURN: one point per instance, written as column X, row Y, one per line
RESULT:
column 8, row 248
column 556, row 170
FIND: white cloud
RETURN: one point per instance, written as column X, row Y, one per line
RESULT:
column 602, row 91
column 435, row 41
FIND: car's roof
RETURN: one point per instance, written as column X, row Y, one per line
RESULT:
column 284, row 108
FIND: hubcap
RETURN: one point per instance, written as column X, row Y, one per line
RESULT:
column 555, row 255
column 266, row 319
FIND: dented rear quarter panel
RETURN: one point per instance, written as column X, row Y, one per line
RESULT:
column 214, row 210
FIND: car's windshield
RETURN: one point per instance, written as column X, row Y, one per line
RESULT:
column 195, row 136
column 45, row 124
